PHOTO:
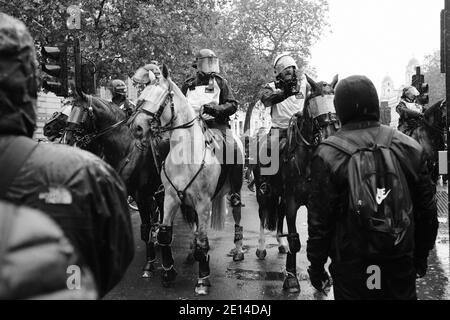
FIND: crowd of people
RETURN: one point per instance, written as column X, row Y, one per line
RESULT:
column 62, row 207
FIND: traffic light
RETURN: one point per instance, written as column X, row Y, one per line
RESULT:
column 417, row 81
column 424, row 90
column 55, row 65
column 88, row 81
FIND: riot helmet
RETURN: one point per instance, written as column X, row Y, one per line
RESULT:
column 207, row 62
column 118, row 87
column 410, row 94
column 282, row 62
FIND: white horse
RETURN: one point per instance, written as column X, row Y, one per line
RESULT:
column 190, row 173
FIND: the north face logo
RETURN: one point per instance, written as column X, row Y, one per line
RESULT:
column 382, row 195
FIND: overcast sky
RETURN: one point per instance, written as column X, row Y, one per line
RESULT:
column 376, row 38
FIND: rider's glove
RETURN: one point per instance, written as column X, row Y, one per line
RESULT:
column 208, row 109
column 319, row 278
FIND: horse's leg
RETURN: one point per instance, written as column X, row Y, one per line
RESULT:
column 291, row 283
column 202, row 248
column 190, row 259
column 238, row 234
column 165, row 237
column 143, row 201
column 261, row 252
column 283, row 246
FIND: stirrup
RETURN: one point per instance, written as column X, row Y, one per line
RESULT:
column 265, row 189
column 235, row 200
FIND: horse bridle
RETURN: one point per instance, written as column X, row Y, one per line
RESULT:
column 89, row 137
column 158, row 130
column 297, row 131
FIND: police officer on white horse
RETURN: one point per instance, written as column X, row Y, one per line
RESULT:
column 209, row 93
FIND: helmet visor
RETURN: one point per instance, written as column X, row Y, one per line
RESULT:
column 208, row 65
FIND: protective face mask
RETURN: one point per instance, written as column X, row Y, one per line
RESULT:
column 321, row 105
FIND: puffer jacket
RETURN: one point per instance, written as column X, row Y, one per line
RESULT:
column 329, row 235
column 86, row 198
column 36, row 259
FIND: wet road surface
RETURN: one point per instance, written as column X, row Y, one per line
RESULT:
column 253, row 279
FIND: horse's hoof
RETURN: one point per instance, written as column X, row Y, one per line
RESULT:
column 169, row 276
column 261, row 254
column 202, row 287
column 148, row 269
column 291, row 284
column 232, row 252
column 282, row 250
column 238, row 257
column 190, row 260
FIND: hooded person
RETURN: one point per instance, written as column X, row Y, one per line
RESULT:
column 330, row 233
column 81, row 193
column 27, row 234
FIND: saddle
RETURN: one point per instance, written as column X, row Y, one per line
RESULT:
column 217, row 143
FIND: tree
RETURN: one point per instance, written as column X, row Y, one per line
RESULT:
column 119, row 36
column 262, row 29
column 434, row 77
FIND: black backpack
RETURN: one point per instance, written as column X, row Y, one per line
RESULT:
column 379, row 198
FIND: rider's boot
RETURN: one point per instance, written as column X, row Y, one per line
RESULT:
column 236, row 182
column 291, row 283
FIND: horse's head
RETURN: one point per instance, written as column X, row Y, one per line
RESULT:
column 90, row 114
column 156, row 106
column 320, row 110
column 436, row 115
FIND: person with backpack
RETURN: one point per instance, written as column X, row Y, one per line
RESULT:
column 81, row 193
column 37, row 261
column 372, row 206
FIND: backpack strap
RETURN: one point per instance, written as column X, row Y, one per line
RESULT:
column 342, row 145
column 12, row 160
column 385, row 137
column 7, row 216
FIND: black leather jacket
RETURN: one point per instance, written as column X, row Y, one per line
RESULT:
column 329, row 235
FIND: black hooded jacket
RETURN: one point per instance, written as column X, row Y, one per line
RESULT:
column 357, row 106
column 84, row 195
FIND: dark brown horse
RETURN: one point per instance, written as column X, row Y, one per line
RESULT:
column 317, row 122
column 100, row 126
column 307, row 130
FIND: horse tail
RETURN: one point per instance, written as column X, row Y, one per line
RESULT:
column 189, row 215
column 271, row 221
column 219, row 213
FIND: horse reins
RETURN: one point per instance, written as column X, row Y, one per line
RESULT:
column 168, row 128
column 88, row 138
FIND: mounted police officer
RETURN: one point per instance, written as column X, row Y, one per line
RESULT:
column 409, row 110
column 119, row 92
column 286, row 98
column 210, row 92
